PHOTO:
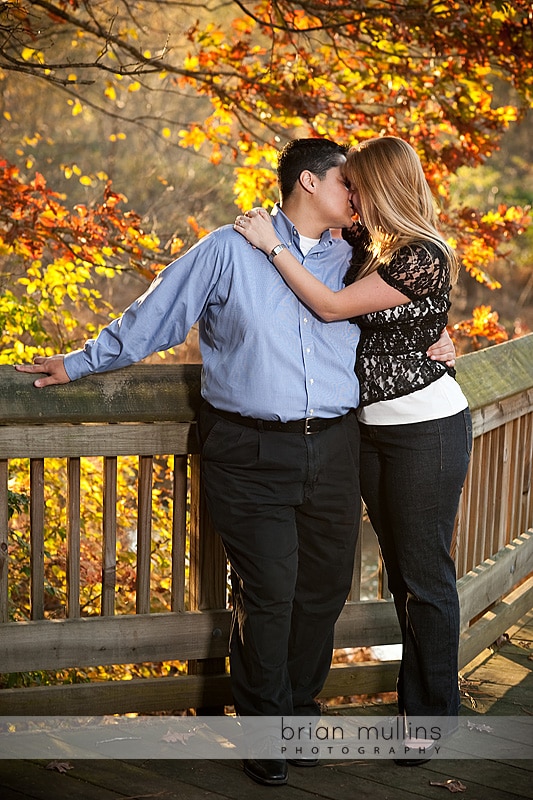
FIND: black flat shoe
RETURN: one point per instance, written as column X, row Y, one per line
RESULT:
column 267, row 771
column 303, row 762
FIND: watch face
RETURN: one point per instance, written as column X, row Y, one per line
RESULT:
column 277, row 249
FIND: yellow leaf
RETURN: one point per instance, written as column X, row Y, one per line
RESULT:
column 241, row 25
column 7, row 116
column 190, row 63
column 85, row 180
column 134, row 87
column 48, row 214
column 176, row 246
column 28, row 53
column 166, row 133
column 77, row 108
column 110, row 92
column 192, row 138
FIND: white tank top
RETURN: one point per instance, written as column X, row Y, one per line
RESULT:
column 442, row 398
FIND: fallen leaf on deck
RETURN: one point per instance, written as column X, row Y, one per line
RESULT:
column 452, row 784
column 172, row 736
column 482, row 728
column 60, row 766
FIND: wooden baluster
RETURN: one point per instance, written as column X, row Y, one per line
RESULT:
column 460, row 537
column 4, row 541
column 513, row 444
column 109, row 555
column 37, row 538
column 144, row 534
column 475, row 525
column 73, row 538
column 355, row 589
column 179, row 533
column 526, row 486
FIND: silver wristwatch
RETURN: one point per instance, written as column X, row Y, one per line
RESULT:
column 274, row 252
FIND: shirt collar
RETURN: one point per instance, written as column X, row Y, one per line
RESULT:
column 289, row 233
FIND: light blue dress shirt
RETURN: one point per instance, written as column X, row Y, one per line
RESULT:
column 264, row 354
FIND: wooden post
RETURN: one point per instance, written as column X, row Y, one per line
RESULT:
column 207, row 575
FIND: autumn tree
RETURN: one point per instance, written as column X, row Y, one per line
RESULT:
column 253, row 74
column 160, row 99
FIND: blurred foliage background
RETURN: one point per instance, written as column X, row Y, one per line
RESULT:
column 130, row 128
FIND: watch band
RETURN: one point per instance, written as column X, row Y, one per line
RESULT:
column 274, row 252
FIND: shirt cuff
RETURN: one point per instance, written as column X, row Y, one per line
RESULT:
column 75, row 365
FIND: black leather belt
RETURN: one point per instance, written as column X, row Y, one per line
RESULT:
column 306, row 426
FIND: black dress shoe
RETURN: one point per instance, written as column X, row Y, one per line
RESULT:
column 411, row 762
column 303, row 762
column 268, row 771
column 426, row 751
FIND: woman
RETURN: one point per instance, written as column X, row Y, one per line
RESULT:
column 414, row 419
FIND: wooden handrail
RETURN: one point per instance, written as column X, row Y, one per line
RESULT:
column 149, row 410
column 497, row 373
column 171, row 392
column 140, row 393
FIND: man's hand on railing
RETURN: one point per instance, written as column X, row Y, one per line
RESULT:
column 52, row 366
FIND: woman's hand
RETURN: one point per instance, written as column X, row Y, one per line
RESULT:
column 256, row 226
column 443, row 349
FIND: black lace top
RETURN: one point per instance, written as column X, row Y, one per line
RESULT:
column 391, row 355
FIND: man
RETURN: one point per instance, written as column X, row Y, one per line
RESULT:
column 280, row 444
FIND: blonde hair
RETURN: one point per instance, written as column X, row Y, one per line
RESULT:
column 395, row 199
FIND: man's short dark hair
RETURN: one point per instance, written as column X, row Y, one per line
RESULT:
column 316, row 155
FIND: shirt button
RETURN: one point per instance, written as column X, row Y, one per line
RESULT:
column 312, row 380
column 305, row 320
column 311, row 411
column 307, row 349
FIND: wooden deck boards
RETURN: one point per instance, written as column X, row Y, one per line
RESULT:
column 496, row 683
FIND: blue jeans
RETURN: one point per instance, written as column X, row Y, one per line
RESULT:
column 411, row 481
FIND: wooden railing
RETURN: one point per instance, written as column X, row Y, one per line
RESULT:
column 149, row 410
